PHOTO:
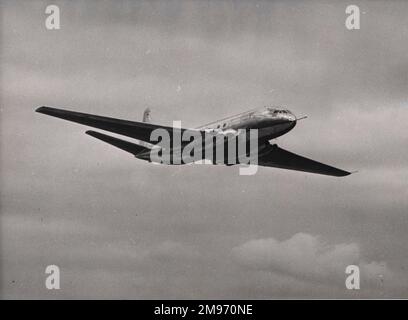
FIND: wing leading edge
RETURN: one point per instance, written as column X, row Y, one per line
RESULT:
column 280, row 158
column 132, row 129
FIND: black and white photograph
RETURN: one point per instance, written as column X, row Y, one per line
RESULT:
column 203, row 150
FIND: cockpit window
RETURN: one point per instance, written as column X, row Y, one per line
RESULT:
column 272, row 110
column 275, row 111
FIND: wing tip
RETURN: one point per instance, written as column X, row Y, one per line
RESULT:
column 98, row 135
column 91, row 133
column 344, row 173
column 48, row 110
column 41, row 109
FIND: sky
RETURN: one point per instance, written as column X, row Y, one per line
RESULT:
column 121, row 228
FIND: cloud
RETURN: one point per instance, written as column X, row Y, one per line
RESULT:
column 91, row 258
column 307, row 257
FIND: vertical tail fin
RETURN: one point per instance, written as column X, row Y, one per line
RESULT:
column 146, row 115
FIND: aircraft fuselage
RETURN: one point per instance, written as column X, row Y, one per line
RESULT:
column 270, row 122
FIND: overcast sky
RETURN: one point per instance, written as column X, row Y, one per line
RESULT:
column 122, row 228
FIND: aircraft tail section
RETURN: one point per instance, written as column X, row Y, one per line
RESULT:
column 146, row 115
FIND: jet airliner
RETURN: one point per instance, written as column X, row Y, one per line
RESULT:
column 270, row 123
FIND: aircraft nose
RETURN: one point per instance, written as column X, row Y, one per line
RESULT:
column 290, row 117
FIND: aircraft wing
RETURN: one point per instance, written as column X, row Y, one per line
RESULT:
column 127, row 146
column 280, row 158
column 133, row 129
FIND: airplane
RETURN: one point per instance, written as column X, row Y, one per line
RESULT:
column 270, row 122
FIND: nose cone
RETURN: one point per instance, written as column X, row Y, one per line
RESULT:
column 284, row 117
column 290, row 118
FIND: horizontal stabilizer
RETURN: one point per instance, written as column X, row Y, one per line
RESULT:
column 280, row 158
column 121, row 144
